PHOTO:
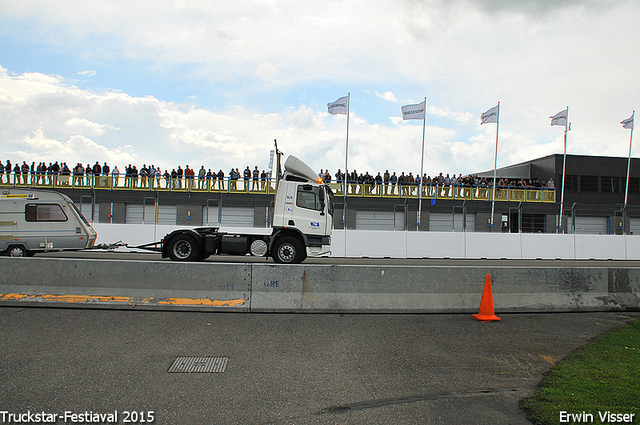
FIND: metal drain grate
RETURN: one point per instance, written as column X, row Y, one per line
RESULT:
column 199, row 365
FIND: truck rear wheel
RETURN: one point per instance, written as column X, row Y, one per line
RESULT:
column 288, row 250
column 183, row 248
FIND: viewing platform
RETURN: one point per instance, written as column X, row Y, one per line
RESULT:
column 268, row 187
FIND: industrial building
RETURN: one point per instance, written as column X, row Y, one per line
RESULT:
column 594, row 194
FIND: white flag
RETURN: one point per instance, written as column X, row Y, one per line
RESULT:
column 414, row 112
column 490, row 116
column 339, row 106
column 628, row 123
column 560, row 118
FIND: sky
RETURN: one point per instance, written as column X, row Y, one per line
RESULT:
column 211, row 83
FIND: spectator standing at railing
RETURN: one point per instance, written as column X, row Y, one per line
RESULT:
column 134, row 176
column 202, row 174
column 167, row 179
column 354, row 182
column 89, row 174
column 78, row 174
column 402, row 184
column 154, row 175
column 378, row 183
column 393, row 179
column 210, row 176
column 263, row 180
column 41, row 171
column 1, row 171
column 25, row 172
column 339, row 176
column 256, row 178
column 105, row 169
column 221, row 179
column 144, row 175
column 115, row 174
column 551, row 184
column 33, row 173
column 174, row 179
column 386, row 179
column 97, row 169
column 247, row 176
column 189, row 174
column 179, row 177
column 7, row 170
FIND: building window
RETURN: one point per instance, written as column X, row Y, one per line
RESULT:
column 610, row 184
column 634, row 185
column 571, row 183
column 589, row 184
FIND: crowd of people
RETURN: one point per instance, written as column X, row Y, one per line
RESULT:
column 439, row 180
column 188, row 178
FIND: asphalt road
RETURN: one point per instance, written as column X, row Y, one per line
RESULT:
column 282, row 368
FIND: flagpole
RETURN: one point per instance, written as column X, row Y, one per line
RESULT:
column 495, row 167
column 564, row 166
column 424, row 125
column 626, row 193
column 346, row 175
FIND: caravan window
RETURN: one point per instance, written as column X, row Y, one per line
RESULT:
column 44, row 212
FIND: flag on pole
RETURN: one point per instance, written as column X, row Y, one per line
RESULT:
column 414, row 112
column 338, row 107
column 560, row 118
column 490, row 116
column 628, row 123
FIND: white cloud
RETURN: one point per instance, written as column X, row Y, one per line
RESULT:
column 535, row 57
column 458, row 116
column 387, row 96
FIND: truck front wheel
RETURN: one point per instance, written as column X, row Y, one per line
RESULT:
column 183, row 248
column 288, row 250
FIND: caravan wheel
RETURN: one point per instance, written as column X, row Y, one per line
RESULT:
column 17, row 251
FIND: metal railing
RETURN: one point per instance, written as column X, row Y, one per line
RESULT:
column 266, row 187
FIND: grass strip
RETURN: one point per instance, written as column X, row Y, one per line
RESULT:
column 596, row 381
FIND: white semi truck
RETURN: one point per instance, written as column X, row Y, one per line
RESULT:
column 302, row 225
column 41, row 220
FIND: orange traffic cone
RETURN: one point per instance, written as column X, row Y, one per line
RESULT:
column 486, row 313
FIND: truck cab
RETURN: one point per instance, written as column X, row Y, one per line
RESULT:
column 304, row 207
column 302, row 225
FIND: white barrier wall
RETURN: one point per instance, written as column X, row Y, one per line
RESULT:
column 403, row 244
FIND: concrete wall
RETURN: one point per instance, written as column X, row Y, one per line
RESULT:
column 403, row 244
column 260, row 287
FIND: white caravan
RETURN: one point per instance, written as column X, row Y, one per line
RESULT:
column 40, row 220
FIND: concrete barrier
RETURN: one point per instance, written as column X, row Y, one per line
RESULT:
column 125, row 284
column 441, row 289
column 263, row 287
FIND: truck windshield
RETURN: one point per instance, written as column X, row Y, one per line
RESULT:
column 329, row 199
